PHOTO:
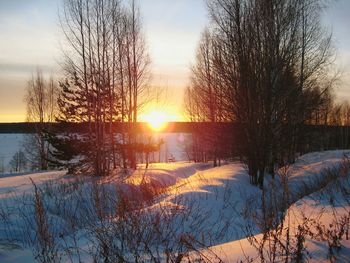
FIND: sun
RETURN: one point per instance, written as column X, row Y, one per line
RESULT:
column 156, row 120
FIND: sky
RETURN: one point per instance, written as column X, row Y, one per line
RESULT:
column 30, row 37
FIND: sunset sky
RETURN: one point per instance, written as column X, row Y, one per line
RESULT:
column 30, row 37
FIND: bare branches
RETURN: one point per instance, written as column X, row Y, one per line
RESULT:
column 107, row 70
column 263, row 64
column 41, row 100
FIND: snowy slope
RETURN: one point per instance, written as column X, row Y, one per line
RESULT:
column 320, row 212
column 223, row 192
column 21, row 184
column 219, row 194
column 11, row 189
column 322, row 209
column 165, row 174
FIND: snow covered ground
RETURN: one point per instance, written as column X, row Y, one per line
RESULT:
column 221, row 201
column 324, row 218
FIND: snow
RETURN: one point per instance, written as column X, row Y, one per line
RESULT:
column 219, row 194
column 316, row 206
column 20, row 184
column 12, row 187
column 15, row 254
column 165, row 174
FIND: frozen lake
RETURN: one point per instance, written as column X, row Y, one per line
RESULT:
column 9, row 145
column 173, row 147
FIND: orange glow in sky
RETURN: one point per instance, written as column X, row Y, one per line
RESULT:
column 158, row 119
column 172, row 31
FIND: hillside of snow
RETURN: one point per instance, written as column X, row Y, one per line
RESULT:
column 213, row 206
column 324, row 218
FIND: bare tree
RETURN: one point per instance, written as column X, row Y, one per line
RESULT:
column 18, row 162
column 106, row 68
column 41, row 101
column 205, row 98
column 269, row 61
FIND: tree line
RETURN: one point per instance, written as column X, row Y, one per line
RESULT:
column 106, row 72
column 266, row 65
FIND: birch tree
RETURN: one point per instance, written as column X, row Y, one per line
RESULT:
column 106, row 67
column 41, row 102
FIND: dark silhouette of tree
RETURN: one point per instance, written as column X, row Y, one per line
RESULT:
column 264, row 65
column 106, row 68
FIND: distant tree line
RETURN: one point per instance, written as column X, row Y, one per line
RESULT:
column 265, row 65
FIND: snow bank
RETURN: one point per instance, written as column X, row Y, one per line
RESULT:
column 220, row 196
column 20, row 184
column 323, row 210
column 165, row 174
